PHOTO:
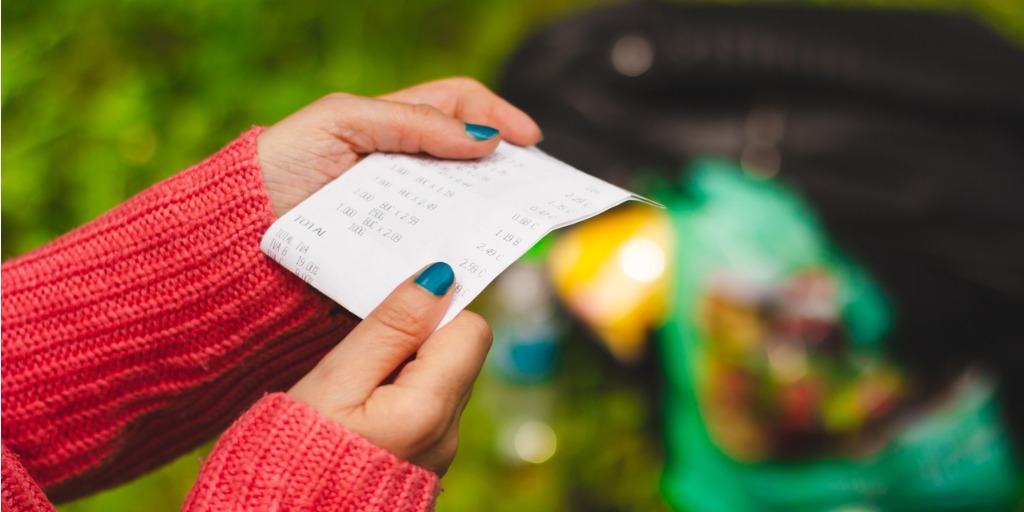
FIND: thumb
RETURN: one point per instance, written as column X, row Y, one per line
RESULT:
column 371, row 125
column 389, row 336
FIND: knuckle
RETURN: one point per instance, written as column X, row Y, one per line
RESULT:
column 336, row 111
column 422, row 111
column 434, row 423
column 422, row 431
column 466, row 82
column 336, row 98
column 402, row 321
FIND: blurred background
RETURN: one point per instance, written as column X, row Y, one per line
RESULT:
column 101, row 99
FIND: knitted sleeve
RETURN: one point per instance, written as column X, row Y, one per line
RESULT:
column 283, row 455
column 138, row 336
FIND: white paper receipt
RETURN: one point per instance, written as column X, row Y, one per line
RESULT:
column 391, row 214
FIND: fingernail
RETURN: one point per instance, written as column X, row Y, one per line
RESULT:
column 480, row 132
column 437, row 278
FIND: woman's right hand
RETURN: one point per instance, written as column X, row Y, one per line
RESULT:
column 397, row 382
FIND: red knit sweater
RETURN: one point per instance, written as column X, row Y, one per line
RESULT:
column 142, row 334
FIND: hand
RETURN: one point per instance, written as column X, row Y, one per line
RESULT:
column 371, row 384
column 308, row 149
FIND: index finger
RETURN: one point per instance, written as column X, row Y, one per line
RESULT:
column 448, row 362
column 390, row 334
column 472, row 102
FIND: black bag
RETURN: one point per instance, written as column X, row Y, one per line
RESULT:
column 904, row 129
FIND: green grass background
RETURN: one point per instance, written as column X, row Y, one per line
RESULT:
column 102, row 98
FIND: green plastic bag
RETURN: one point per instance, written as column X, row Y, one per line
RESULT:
column 779, row 392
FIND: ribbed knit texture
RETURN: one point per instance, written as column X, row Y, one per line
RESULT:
column 142, row 334
column 304, row 461
column 20, row 492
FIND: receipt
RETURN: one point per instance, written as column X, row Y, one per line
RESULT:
column 392, row 214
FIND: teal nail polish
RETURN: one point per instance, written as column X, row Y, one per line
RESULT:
column 480, row 132
column 437, row 278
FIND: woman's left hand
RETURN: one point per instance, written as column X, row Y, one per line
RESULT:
column 311, row 147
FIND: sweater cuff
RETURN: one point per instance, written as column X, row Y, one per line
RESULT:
column 283, row 455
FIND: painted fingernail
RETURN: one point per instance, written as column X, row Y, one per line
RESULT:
column 480, row 132
column 436, row 278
